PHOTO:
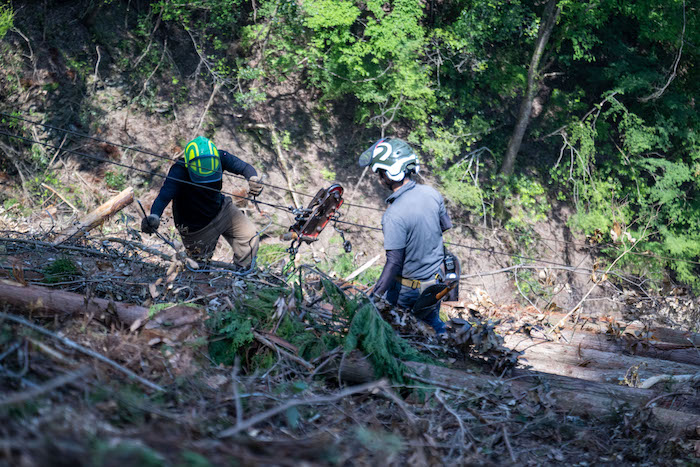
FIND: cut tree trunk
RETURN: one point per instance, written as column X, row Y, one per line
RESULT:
column 43, row 301
column 569, row 395
column 595, row 324
column 591, row 364
column 671, row 351
column 98, row 216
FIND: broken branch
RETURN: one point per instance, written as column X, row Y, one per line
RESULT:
column 368, row 387
column 98, row 216
column 57, row 382
column 74, row 345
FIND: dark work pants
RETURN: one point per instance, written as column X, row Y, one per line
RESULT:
column 406, row 297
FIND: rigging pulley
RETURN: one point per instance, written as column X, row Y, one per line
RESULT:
column 309, row 222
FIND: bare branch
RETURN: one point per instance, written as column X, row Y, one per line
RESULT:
column 74, row 345
column 659, row 92
column 57, row 382
column 368, row 387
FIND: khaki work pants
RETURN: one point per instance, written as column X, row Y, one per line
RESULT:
column 236, row 229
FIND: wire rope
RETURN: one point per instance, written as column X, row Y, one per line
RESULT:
column 160, row 156
column 275, row 206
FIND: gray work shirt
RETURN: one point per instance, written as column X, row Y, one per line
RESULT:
column 415, row 220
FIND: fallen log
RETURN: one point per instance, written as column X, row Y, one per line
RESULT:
column 601, row 325
column 569, row 395
column 591, row 364
column 40, row 300
column 627, row 345
column 97, row 216
column 594, row 324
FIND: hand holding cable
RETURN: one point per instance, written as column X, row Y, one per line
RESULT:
column 150, row 224
column 254, row 186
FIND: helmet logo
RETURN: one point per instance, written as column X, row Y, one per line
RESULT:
column 382, row 151
column 202, row 160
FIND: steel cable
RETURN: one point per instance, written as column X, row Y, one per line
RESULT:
column 275, row 206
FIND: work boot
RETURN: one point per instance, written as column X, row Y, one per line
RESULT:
column 434, row 320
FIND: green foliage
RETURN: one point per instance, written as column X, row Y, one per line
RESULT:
column 125, row 453
column 328, row 174
column 231, row 331
column 343, row 264
column 270, row 253
column 639, row 180
column 7, row 17
column 384, row 348
column 310, row 344
column 527, row 202
column 60, row 270
column 10, row 202
column 379, row 442
column 213, row 17
column 193, row 459
column 371, row 51
column 115, row 180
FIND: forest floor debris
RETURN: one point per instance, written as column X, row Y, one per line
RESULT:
column 250, row 372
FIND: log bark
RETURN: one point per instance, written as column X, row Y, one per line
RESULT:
column 97, row 216
column 569, row 395
column 43, row 301
column 590, row 364
column 595, row 324
column 673, row 352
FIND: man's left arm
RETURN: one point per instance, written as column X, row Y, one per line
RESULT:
column 233, row 164
column 392, row 269
column 445, row 221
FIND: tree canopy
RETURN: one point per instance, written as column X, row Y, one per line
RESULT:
column 603, row 92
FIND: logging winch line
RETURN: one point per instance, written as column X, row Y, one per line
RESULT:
column 287, row 209
column 280, row 207
column 228, row 174
column 360, row 206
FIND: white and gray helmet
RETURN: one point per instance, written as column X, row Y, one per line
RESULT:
column 393, row 155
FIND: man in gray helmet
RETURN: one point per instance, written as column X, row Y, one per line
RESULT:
column 412, row 224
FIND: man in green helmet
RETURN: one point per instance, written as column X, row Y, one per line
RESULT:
column 412, row 225
column 201, row 213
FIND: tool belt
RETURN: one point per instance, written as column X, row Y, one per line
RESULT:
column 420, row 285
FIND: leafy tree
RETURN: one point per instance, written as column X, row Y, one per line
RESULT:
column 371, row 51
column 6, row 19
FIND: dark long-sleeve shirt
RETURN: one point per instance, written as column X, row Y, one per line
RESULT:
column 195, row 205
column 392, row 268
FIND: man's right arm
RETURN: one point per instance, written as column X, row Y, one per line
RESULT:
column 169, row 190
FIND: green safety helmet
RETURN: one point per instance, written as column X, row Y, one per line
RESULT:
column 393, row 155
column 202, row 160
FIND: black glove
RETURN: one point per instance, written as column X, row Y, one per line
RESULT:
column 150, row 224
column 254, row 186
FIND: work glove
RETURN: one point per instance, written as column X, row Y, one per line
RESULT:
column 150, row 224
column 254, row 186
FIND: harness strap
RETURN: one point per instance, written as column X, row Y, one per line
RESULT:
column 415, row 284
